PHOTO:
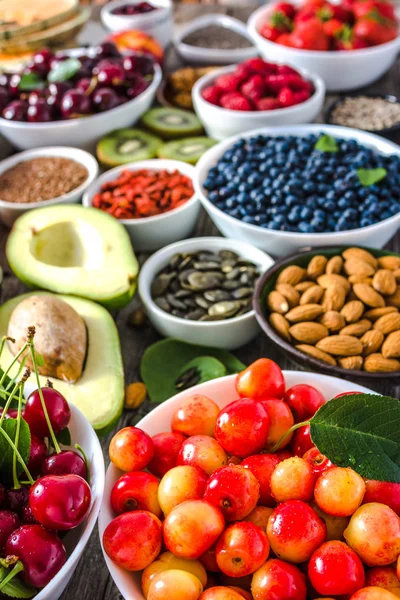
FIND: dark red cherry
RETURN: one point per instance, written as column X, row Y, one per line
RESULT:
column 58, row 89
column 137, row 86
column 16, row 499
column 4, row 98
column 16, row 111
column 84, row 84
column 2, row 494
column 27, row 515
column 43, row 56
column 104, row 99
column 40, row 112
column 106, row 50
column 66, row 462
column 135, row 64
column 37, row 454
column 109, row 73
column 57, row 408
column 75, row 103
column 9, row 522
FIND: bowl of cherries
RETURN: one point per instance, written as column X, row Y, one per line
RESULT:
column 51, row 485
column 75, row 97
column 255, row 486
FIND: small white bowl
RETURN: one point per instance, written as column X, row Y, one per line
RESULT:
column 82, row 132
column 229, row 334
column 281, row 243
column 151, row 233
column 222, row 391
column 75, row 541
column 10, row 211
column 341, row 71
column 213, row 56
column 221, row 123
column 157, row 23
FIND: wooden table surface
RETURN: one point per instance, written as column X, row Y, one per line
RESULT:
column 91, row 580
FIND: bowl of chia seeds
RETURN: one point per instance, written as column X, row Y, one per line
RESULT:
column 215, row 39
column 201, row 290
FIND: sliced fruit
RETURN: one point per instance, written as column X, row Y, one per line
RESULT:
column 188, row 150
column 74, row 250
column 99, row 392
column 127, row 145
column 171, row 123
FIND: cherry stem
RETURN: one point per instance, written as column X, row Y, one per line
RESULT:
column 7, row 405
column 39, row 389
column 20, row 459
column 16, row 357
column 17, row 569
column 21, row 366
column 85, row 458
column 17, row 484
column 287, row 433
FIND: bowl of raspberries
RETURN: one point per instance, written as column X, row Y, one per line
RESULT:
column 349, row 44
column 256, row 93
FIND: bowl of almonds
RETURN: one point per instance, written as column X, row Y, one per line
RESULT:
column 336, row 310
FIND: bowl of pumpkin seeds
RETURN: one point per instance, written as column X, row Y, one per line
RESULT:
column 201, row 290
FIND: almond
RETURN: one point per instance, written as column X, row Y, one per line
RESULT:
column 315, row 353
column 327, row 281
column 306, row 312
column 351, row 362
column 358, row 279
column 316, row 266
column 384, row 282
column 394, row 299
column 303, row 286
column 309, row 333
column 389, row 262
column 280, row 324
column 277, row 303
column 372, row 341
column 374, row 313
column 391, row 346
column 340, row 345
column 377, row 363
column 388, row 323
column 333, row 320
column 368, row 295
column 352, row 311
column 312, row 296
column 334, row 265
column 361, row 254
column 334, row 297
column 292, row 274
column 288, row 292
column 357, row 329
column 358, row 266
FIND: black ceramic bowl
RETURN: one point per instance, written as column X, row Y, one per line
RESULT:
column 392, row 133
column 266, row 284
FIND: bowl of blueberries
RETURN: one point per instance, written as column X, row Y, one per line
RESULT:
column 283, row 188
column 75, row 97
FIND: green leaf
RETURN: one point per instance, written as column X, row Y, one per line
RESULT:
column 31, row 81
column 326, row 143
column 199, row 370
column 16, row 588
column 39, row 359
column 360, row 431
column 164, row 361
column 64, row 70
column 370, row 176
column 6, row 452
column 64, row 437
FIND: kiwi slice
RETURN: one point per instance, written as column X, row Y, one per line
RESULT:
column 188, row 150
column 127, row 145
column 171, row 123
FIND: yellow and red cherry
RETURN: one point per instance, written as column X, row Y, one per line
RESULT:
column 259, row 516
column 280, row 421
column 167, row 561
column 166, row 450
column 262, row 466
column 131, row 449
column 335, row 569
column 278, row 580
column 319, row 463
column 137, row 490
column 176, row 584
column 292, row 479
column 242, row 549
column 204, row 452
column 262, row 379
column 383, row 577
column 234, row 490
column 242, row 427
column 304, row 401
column 196, row 415
column 181, row 483
column 383, row 492
column 339, row 491
column 301, row 441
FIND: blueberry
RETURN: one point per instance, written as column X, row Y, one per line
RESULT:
column 305, row 227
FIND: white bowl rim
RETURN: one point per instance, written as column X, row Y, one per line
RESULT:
column 6, row 123
column 182, row 245
column 91, row 518
column 163, row 8
column 325, row 54
column 319, row 90
column 89, row 162
column 156, row 164
column 286, row 130
column 216, row 53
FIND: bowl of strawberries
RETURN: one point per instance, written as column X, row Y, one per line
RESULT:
column 349, row 43
column 256, row 93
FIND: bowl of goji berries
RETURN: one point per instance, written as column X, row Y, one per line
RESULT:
column 153, row 199
column 256, row 93
column 349, row 44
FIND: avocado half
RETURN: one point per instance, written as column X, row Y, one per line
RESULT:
column 69, row 249
column 99, row 392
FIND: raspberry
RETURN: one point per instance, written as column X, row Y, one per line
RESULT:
column 301, row 96
column 261, row 66
column 286, row 70
column 235, row 101
column 268, row 104
column 243, row 71
column 228, row 83
column 286, row 97
column 212, row 94
column 254, row 88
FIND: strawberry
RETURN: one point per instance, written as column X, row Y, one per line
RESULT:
column 270, row 33
column 304, row 14
column 285, row 8
column 333, row 27
column 254, row 88
column 286, row 97
column 334, row 11
column 346, row 40
column 228, row 83
column 285, row 39
column 374, row 30
column 268, row 103
column 309, row 35
column 364, row 8
column 235, row 101
column 212, row 94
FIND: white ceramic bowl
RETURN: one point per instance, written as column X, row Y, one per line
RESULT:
column 281, row 243
column 151, row 233
column 10, row 211
column 158, row 23
column 222, row 391
column 213, row 56
column 82, row 132
column 229, row 334
column 75, row 541
column 343, row 70
column 221, row 123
